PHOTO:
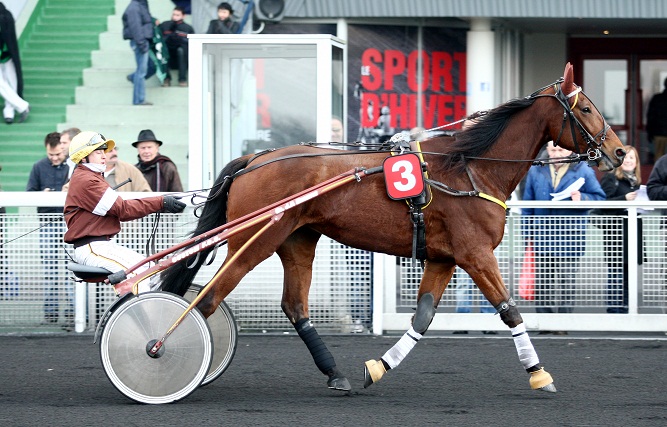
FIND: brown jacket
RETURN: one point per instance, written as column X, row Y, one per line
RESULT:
column 125, row 170
column 93, row 209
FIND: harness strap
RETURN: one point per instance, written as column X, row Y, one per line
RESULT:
column 493, row 199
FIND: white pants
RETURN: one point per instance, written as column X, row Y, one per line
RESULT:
column 113, row 257
column 8, row 86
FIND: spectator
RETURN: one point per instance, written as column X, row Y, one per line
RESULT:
column 225, row 23
column 65, row 138
column 93, row 211
column 159, row 170
column 656, row 187
column 656, row 122
column 11, row 77
column 336, row 129
column 175, row 35
column 138, row 29
column 558, row 234
column 118, row 171
column 621, row 184
column 49, row 174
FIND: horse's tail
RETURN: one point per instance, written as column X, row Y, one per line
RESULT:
column 178, row 278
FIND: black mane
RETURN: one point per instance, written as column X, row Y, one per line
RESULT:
column 479, row 138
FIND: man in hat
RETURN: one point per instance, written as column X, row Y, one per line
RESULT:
column 225, row 24
column 159, row 170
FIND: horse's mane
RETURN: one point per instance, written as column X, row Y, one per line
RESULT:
column 483, row 134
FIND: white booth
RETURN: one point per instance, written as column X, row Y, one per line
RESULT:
column 249, row 92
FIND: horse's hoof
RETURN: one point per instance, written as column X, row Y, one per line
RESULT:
column 373, row 371
column 541, row 380
column 549, row 387
column 339, row 383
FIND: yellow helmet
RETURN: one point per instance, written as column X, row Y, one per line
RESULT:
column 86, row 142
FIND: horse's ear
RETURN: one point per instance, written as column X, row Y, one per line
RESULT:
column 568, row 81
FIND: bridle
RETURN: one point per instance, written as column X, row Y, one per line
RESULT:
column 593, row 152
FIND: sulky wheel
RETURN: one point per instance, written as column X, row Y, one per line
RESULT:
column 179, row 366
column 224, row 333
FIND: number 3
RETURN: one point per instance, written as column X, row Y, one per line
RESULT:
column 405, row 169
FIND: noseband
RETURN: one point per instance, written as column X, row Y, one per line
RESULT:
column 593, row 152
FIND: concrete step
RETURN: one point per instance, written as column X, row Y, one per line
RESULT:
column 174, row 96
column 129, row 115
column 113, row 58
column 115, row 78
column 113, row 41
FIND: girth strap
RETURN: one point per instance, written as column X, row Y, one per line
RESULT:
column 418, row 228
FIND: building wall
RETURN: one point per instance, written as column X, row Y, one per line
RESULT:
column 544, row 58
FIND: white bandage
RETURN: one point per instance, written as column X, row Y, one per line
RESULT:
column 397, row 353
column 527, row 355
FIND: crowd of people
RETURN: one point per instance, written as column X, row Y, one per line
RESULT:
column 164, row 46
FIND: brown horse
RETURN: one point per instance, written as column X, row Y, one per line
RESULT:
column 488, row 158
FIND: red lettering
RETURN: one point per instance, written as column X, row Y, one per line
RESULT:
column 429, row 107
column 263, row 113
column 445, row 110
column 413, row 61
column 394, row 65
column 371, row 75
column 442, row 70
column 459, row 107
column 398, row 105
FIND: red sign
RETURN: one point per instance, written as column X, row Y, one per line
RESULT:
column 403, row 176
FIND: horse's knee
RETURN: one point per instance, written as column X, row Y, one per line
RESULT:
column 425, row 312
column 509, row 313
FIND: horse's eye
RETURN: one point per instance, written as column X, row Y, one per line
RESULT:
column 586, row 109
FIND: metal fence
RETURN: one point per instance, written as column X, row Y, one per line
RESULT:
column 357, row 291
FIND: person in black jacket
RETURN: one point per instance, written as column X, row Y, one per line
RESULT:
column 225, row 24
column 656, row 122
column 620, row 184
column 175, row 35
column 11, row 77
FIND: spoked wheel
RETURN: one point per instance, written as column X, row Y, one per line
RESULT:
column 224, row 334
column 179, row 366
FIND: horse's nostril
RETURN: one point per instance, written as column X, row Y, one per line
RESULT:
column 620, row 153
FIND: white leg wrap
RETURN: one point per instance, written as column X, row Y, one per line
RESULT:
column 397, row 353
column 524, row 347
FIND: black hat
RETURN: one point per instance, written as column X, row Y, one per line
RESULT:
column 227, row 6
column 146, row 135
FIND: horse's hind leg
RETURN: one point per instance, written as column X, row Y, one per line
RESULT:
column 297, row 254
column 433, row 284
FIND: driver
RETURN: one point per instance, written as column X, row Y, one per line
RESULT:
column 93, row 210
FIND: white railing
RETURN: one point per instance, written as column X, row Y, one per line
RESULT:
column 348, row 285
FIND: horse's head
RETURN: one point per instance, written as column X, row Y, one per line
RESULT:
column 583, row 129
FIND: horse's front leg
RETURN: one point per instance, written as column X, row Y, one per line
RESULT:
column 297, row 254
column 433, row 284
column 486, row 275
